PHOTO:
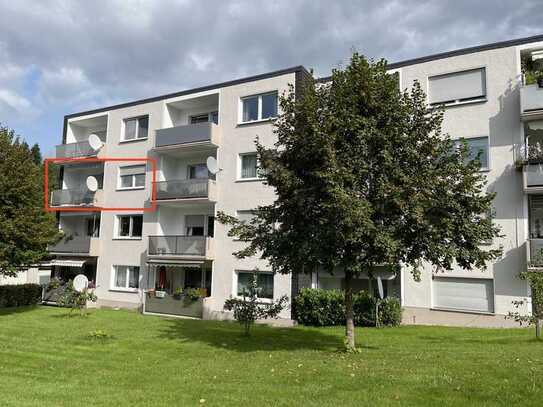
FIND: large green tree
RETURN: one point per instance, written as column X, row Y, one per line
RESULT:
column 25, row 228
column 364, row 176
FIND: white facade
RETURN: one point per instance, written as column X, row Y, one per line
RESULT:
column 485, row 107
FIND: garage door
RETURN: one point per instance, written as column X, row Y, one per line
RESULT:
column 469, row 294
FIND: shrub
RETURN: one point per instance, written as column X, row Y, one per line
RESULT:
column 248, row 309
column 18, row 295
column 319, row 307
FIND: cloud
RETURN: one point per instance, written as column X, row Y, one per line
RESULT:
column 61, row 56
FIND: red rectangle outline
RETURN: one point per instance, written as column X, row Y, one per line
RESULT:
column 94, row 160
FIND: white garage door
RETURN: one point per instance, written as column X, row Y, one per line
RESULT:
column 470, row 294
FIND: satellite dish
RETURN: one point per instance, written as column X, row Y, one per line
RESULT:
column 380, row 287
column 80, row 282
column 95, row 142
column 92, row 183
column 212, row 165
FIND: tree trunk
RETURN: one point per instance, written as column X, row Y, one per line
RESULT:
column 349, row 314
column 538, row 324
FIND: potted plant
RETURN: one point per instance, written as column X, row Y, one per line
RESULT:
column 178, row 293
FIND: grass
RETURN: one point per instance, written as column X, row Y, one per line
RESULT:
column 120, row 358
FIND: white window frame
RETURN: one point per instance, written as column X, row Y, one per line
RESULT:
column 117, row 235
column 240, row 160
column 489, row 165
column 114, row 287
column 457, row 102
column 235, row 285
column 133, row 187
column 136, row 118
column 259, row 115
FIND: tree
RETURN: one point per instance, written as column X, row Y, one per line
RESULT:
column 364, row 176
column 25, row 228
column 249, row 309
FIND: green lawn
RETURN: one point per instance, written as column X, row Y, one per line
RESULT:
column 49, row 359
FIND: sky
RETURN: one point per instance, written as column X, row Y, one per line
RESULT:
column 60, row 57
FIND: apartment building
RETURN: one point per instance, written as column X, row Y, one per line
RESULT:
column 153, row 158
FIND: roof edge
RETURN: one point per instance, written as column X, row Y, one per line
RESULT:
column 190, row 91
column 457, row 52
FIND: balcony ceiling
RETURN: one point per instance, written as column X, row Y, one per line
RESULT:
column 96, row 123
column 192, row 103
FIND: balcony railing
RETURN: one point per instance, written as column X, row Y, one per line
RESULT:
column 190, row 133
column 74, row 150
column 183, row 189
column 178, row 245
column 72, row 197
column 72, row 244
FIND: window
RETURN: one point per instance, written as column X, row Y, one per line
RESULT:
column 132, row 177
column 136, row 128
column 264, row 282
column 93, row 227
column 212, row 117
column 259, row 107
column 457, row 87
column 130, row 226
column 476, row 145
column 126, row 277
column 194, row 225
column 246, row 215
column 211, row 226
column 198, row 171
column 248, row 166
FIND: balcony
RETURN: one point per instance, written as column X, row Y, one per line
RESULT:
column 187, row 136
column 76, row 245
column 187, row 189
column 534, row 255
column 75, row 150
column 76, row 198
column 531, row 101
column 181, row 246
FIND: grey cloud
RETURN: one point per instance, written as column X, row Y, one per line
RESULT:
column 89, row 53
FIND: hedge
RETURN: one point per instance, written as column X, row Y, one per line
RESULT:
column 17, row 295
column 318, row 307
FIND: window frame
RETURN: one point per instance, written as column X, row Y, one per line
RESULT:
column 260, row 299
column 259, row 118
column 133, row 176
column 130, row 236
column 488, row 166
column 137, row 119
column 459, row 102
column 239, row 178
column 126, row 288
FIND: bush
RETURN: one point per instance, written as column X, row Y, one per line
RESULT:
column 17, row 295
column 319, row 307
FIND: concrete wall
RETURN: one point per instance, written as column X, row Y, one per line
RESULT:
column 499, row 119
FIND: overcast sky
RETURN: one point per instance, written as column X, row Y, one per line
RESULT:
column 60, row 57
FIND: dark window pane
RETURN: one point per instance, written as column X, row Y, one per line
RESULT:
column 198, row 171
column 201, row 118
column 124, row 226
column 134, row 277
column 120, row 278
column 250, row 109
column 130, row 129
column 143, row 126
column 139, row 180
column 137, row 225
column 126, row 181
column 211, row 226
column 264, row 283
column 248, row 166
column 214, row 117
column 269, row 106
